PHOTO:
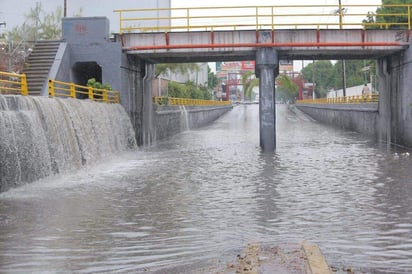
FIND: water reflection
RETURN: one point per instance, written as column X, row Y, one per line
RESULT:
column 206, row 193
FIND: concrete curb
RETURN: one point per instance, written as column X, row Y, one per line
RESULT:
column 316, row 261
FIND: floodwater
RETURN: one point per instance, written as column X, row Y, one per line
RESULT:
column 198, row 198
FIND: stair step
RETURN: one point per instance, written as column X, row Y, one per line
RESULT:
column 40, row 61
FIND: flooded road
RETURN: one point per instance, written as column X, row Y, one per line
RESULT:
column 203, row 195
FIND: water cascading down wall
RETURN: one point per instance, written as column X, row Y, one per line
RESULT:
column 42, row 136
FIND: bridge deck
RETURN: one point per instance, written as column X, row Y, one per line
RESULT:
column 224, row 33
column 199, row 46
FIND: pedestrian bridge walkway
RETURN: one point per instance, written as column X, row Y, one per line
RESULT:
column 235, row 33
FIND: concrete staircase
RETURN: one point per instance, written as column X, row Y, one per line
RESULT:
column 40, row 61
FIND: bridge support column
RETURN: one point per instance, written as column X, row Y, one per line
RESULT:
column 385, row 101
column 267, row 70
column 148, row 128
column 137, row 77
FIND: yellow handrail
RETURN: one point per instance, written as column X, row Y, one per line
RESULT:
column 260, row 17
column 162, row 100
column 64, row 89
column 13, row 83
column 356, row 99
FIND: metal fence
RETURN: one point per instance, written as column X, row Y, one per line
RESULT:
column 13, row 83
column 64, row 89
column 265, row 17
column 356, row 99
column 162, row 100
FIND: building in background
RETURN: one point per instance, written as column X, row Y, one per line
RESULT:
column 230, row 75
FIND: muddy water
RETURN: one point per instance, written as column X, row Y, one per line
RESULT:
column 203, row 195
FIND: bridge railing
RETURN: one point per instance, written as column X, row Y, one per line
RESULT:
column 163, row 100
column 13, row 83
column 356, row 99
column 264, row 17
column 64, row 89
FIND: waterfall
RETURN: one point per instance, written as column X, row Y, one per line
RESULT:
column 185, row 118
column 42, row 136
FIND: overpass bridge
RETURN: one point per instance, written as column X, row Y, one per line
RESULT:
column 265, row 34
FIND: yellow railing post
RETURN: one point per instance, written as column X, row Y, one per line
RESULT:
column 51, row 88
column 72, row 90
column 24, row 89
column 409, row 17
column 120, row 22
column 187, row 19
column 116, row 98
column 273, row 19
column 257, row 18
column 105, row 98
column 90, row 92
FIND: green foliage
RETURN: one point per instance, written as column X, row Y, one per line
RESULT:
column 96, row 84
column 188, row 90
column 324, row 73
column 286, row 88
column 38, row 25
column 328, row 75
column 392, row 17
column 212, row 80
column 249, row 81
column 182, row 68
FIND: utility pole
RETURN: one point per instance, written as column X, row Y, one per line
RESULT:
column 343, row 60
column 65, row 8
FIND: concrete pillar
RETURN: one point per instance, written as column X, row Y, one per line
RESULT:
column 385, row 117
column 131, row 95
column 266, row 70
column 149, row 133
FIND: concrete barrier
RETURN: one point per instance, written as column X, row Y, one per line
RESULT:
column 170, row 120
column 362, row 118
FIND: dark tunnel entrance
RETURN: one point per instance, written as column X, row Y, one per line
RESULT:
column 83, row 71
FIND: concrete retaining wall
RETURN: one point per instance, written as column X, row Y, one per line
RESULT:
column 362, row 118
column 170, row 120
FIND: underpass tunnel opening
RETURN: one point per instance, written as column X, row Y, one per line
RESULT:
column 83, row 71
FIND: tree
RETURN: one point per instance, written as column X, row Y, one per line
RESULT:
column 391, row 15
column 39, row 26
column 182, row 68
column 212, row 80
column 328, row 75
column 188, row 90
column 286, row 88
column 324, row 74
column 249, row 81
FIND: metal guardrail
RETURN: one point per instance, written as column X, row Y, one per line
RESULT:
column 162, row 100
column 64, row 89
column 357, row 99
column 262, row 17
column 13, row 83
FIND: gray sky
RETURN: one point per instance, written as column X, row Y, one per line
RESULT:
column 13, row 11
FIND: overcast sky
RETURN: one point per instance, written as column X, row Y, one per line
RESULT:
column 13, row 11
